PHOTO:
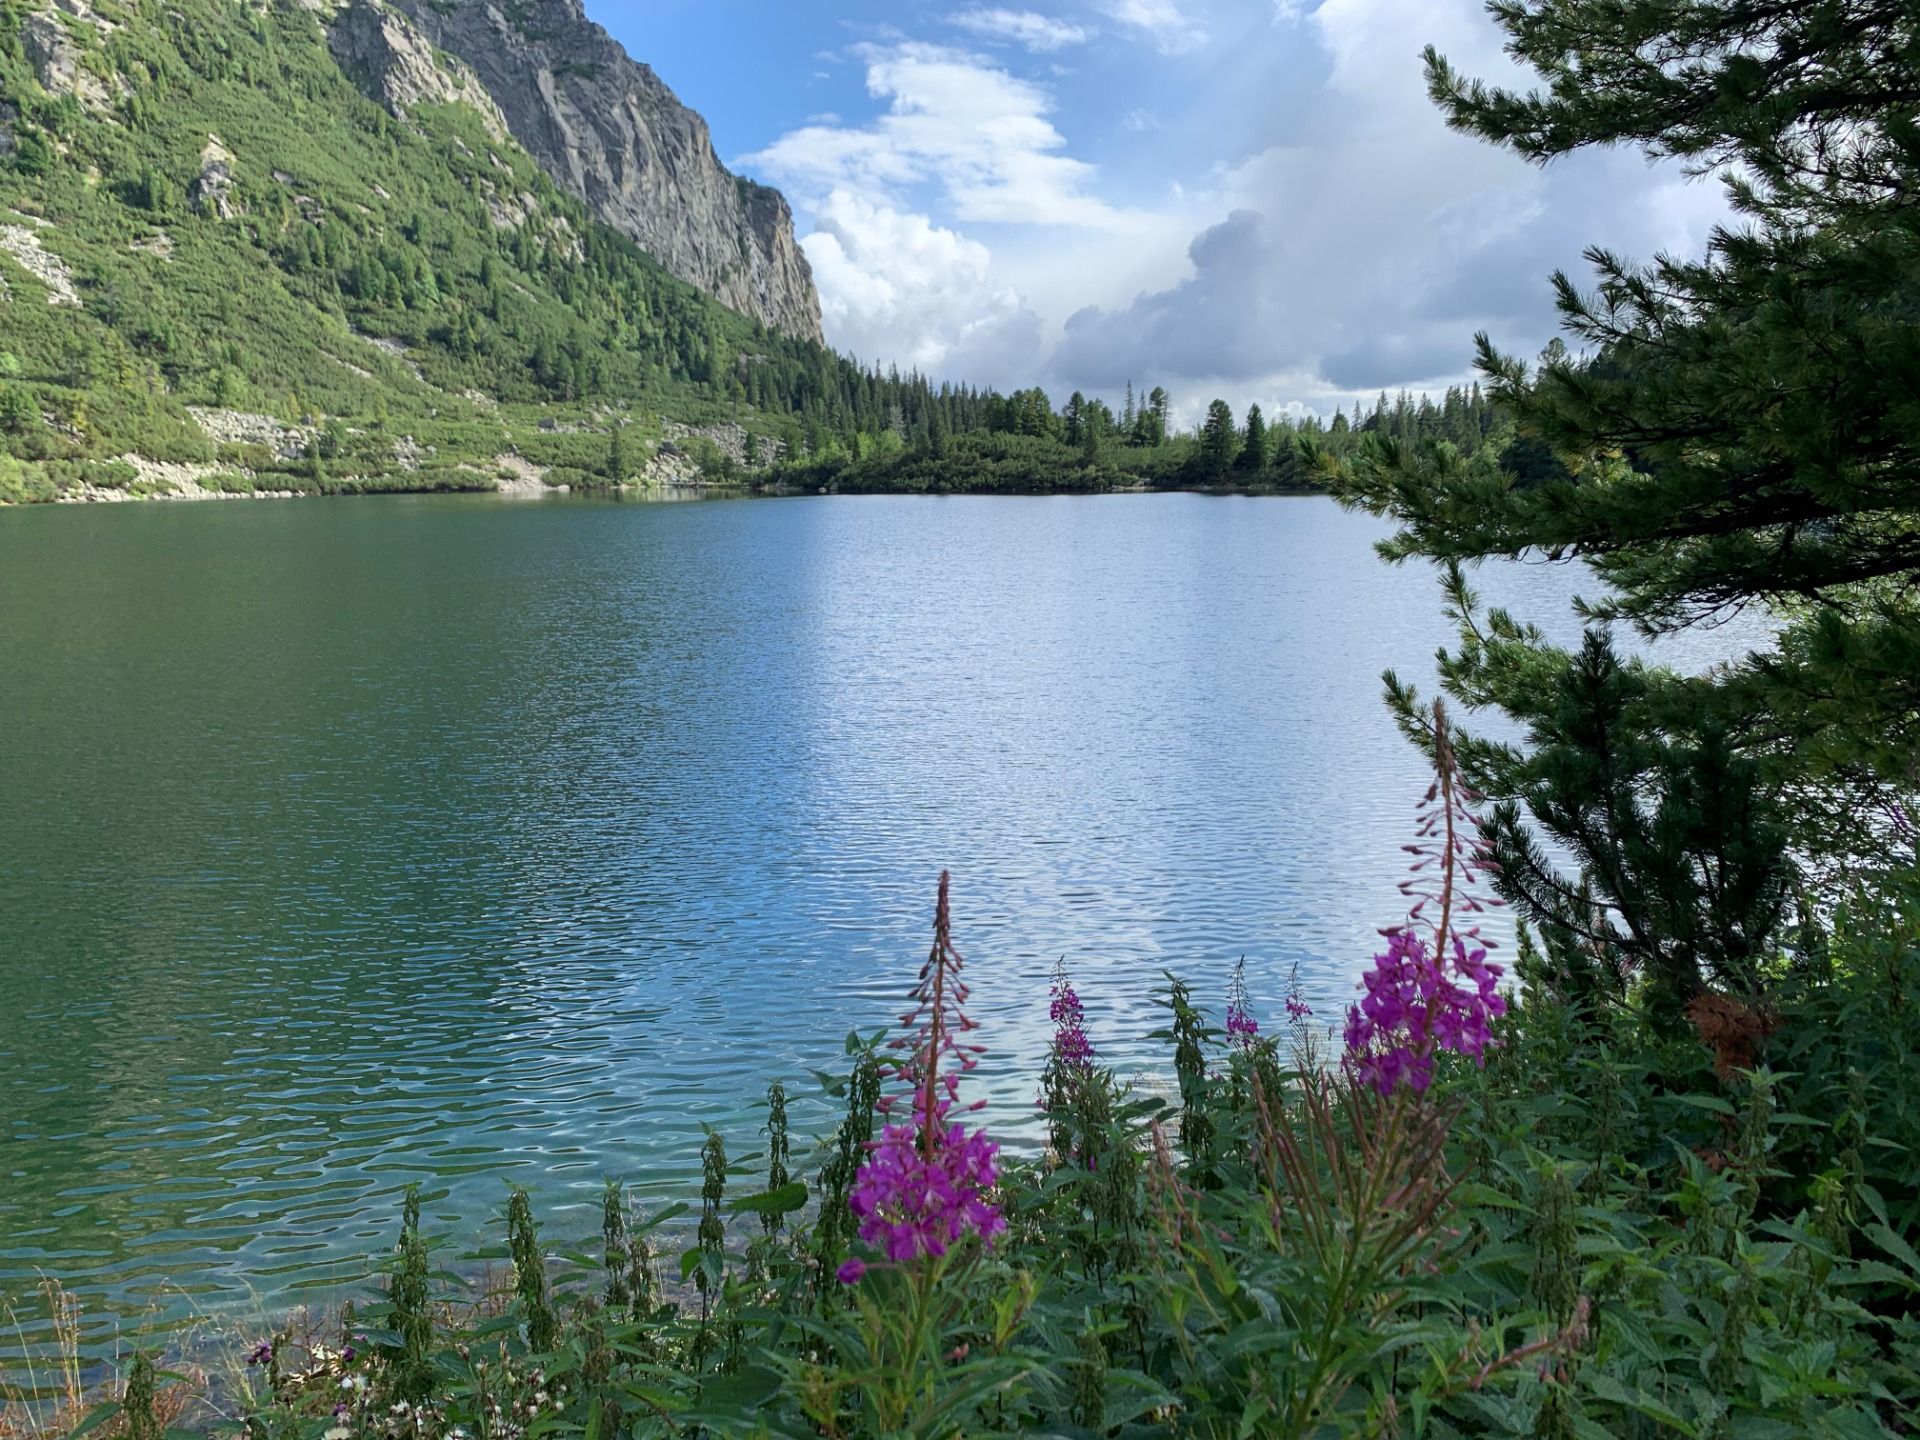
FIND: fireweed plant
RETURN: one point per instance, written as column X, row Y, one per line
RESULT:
column 1578, row 1225
column 1430, row 993
column 1243, row 1030
column 1070, row 1060
column 925, row 1208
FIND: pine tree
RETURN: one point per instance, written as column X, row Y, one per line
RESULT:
column 1219, row 443
column 1253, row 443
column 1075, row 416
column 1150, row 423
column 1724, row 431
column 1670, row 828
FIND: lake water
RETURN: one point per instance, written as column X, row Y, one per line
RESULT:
column 349, row 843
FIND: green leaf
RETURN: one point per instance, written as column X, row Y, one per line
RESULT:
column 783, row 1201
column 660, row 1217
column 1707, row 1102
column 96, row 1417
column 1894, row 1245
column 1608, row 1388
column 745, row 1390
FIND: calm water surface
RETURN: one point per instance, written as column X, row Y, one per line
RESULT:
column 346, row 844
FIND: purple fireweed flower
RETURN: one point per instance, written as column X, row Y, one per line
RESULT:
column 914, row 1200
column 1417, row 1003
column 938, row 1019
column 1298, row 1011
column 1070, row 1044
column 1423, row 997
column 925, row 1184
column 261, row 1354
column 851, row 1271
column 1241, row 1026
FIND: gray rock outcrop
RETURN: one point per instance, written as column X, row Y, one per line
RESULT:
column 383, row 49
column 608, row 130
column 59, row 64
column 211, row 191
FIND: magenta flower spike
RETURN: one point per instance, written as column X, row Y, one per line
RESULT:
column 1070, row 1044
column 1425, row 996
column 1242, row 1028
column 925, row 1185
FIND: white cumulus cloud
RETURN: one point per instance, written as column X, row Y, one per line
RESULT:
column 954, row 120
column 1039, row 33
column 1295, row 224
column 1170, row 28
column 897, row 288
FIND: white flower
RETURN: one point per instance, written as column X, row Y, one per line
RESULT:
column 339, row 1432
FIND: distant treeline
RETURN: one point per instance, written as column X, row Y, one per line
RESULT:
column 957, row 440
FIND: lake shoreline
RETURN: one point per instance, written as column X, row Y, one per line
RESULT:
column 91, row 495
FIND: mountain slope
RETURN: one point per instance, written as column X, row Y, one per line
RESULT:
column 216, row 250
column 611, row 133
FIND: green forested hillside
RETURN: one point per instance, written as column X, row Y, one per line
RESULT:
column 199, row 209
column 217, row 252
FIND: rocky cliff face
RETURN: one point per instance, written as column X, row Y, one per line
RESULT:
column 611, row 132
column 382, row 49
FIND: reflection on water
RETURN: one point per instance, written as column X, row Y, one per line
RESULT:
column 346, row 844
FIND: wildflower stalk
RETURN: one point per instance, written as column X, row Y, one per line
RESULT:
column 1426, row 997
column 779, row 1151
column 712, row 1233
column 618, row 1257
column 1068, row 1082
column 1357, row 1183
column 1190, row 1069
column 408, row 1317
column 530, row 1273
column 835, row 1225
column 922, row 1193
column 136, row 1404
column 925, row 1183
column 1242, row 1029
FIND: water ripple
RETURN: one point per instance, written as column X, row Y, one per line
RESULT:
column 434, row 839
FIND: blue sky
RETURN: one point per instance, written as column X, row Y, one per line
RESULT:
column 1244, row 198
